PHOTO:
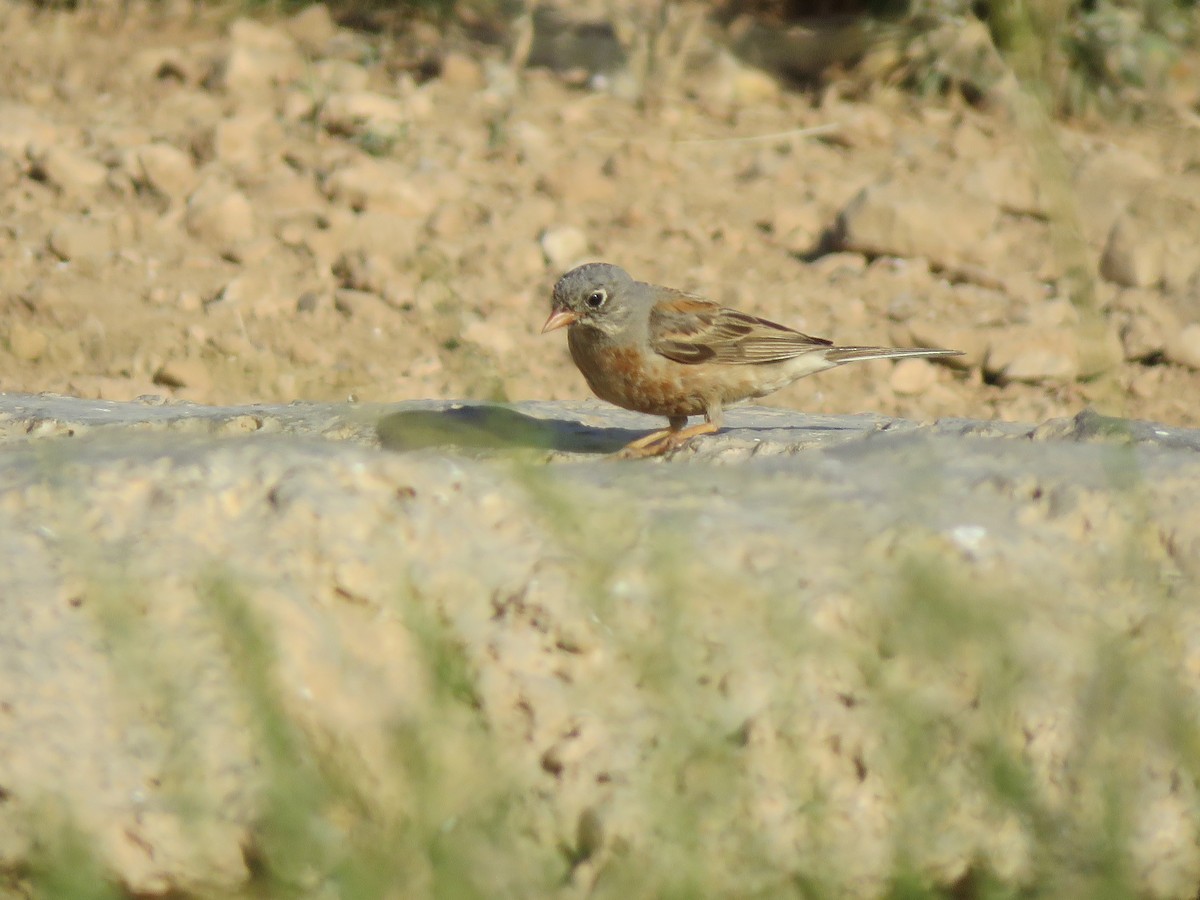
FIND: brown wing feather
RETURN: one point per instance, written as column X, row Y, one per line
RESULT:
column 688, row 329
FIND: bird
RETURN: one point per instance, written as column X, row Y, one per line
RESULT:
column 666, row 352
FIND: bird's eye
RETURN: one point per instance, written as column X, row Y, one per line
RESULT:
column 596, row 299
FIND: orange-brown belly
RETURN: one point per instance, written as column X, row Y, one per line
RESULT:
column 646, row 382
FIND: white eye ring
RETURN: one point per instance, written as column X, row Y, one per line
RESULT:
column 596, row 299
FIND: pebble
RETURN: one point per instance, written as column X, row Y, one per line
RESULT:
column 1027, row 354
column 461, row 71
column 916, row 218
column 380, row 185
column 1183, row 347
column 312, row 28
column 1154, row 242
column 259, row 58
column 912, row 376
column 163, row 168
column 352, row 113
column 260, row 292
column 23, row 127
column 363, row 306
column 563, row 245
column 239, row 143
column 26, row 343
column 185, row 372
column 220, row 216
column 74, row 174
column 341, row 76
column 82, row 241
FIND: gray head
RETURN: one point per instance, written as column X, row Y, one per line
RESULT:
column 590, row 295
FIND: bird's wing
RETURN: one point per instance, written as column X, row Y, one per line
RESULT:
column 689, row 329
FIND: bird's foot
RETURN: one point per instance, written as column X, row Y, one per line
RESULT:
column 660, row 443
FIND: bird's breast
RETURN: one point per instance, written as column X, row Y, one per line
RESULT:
column 633, row 378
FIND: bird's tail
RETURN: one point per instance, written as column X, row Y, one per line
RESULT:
column 839, row 355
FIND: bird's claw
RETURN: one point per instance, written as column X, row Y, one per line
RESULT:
column 660, row 443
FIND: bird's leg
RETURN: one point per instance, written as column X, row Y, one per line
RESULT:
column 672, row 438
column 655, row 443
column 713, row 415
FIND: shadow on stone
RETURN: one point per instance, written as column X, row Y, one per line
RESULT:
column 487, row 427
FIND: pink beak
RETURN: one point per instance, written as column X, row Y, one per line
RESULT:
column 560, row 318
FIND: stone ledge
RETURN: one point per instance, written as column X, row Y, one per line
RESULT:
column 815, row 645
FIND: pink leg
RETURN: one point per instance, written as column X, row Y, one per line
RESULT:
column 661, row 442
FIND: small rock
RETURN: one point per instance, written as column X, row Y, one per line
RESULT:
column 289, row 195
column 82, row 241
column 973, row 342
column 307, row 352
column 163, row 168
column 259, row 58
column 912, row 376
column 260, row 293
column 362, row 271
column 563, row 245
column 1007, row 180
column 1146, row 323
column 312, row 28
column 970, row 144
column 246, row 72
column 1154, row 241
column 26, row 343
column 491, row 336
column 363, row 306
column 359, row 112
column 1132, row 258
column 916, row 219
column 532, row 141
column 72, row 173
column 310, row 301
column 1105, row 183
column 189, row 301
column 798, row 228
column 220, row 216
column 859, row 125
column 750, row 87
column 730, row 82
column 341, row 76
column 1027, row 354
column 1054, row 313
column 1145, row 382
column 186, row 372
column 452, row 220
column 22, row 127
column 839, row 265
column 161, row 63
column 432, row 294
column 1183, row 347
column 460, row 71
column 298, row 104
column 239, row 142
column 378, row 185
column 576, row 184
column 258, row 250
column 1099, row 347
column 418, row 99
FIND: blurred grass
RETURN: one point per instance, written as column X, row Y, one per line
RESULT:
column 939, row 664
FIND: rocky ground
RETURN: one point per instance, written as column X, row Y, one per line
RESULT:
column 445, row 648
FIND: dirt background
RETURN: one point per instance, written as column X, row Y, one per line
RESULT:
column 244, row 652
column 223, row 210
